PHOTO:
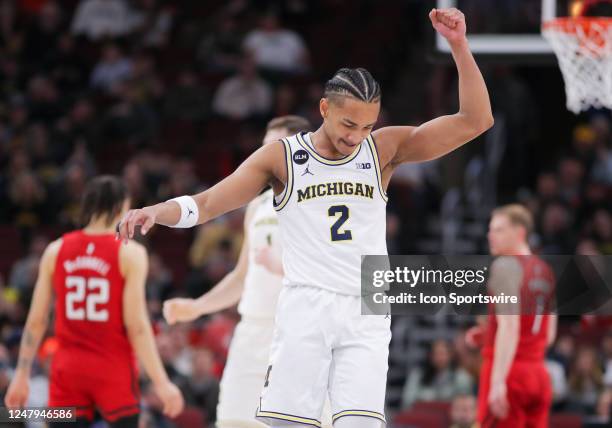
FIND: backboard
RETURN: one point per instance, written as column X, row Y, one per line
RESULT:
column 506, row 29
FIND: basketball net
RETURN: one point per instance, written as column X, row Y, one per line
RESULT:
column 583, row 46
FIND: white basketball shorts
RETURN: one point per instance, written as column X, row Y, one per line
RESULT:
column 244, row 375
column 322, row 343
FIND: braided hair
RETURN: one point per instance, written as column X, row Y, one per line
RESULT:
column 357, row 83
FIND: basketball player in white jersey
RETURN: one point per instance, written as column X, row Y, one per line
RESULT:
column 256, row 283
column 329, row 189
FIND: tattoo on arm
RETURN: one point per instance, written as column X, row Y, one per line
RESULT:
column 28, row 338
column 24, row 363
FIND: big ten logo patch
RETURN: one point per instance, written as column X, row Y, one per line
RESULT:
column 364, row 165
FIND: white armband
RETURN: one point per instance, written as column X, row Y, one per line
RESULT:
column 189, row 211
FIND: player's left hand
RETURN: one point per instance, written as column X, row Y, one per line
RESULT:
column 180, row 310
column 18, row 391
column 498, row 400
column 171, row 398
column 450, row 23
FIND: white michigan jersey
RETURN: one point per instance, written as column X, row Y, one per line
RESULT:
column 331, row 212
column 261, row 288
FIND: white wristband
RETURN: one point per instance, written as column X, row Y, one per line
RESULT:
column 189, row 211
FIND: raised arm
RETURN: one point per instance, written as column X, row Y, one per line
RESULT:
column 399, row 144
column 34, row 330
column 224, row 294
column 265, row 166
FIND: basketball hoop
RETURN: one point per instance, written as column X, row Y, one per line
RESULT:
column 583, row 46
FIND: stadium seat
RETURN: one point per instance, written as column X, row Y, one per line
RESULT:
column 420, row 419
column 565, row 420
column 191, row 417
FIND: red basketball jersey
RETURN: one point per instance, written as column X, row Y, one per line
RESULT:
column 89, row 288
column 536, row 297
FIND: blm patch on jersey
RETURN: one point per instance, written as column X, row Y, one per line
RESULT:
column 300, row 157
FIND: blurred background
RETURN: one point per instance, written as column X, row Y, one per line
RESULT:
column 173, row 95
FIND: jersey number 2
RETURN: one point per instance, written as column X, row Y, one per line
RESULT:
column 98, row 295
column 336, row 235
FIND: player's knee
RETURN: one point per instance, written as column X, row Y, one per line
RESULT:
column 358, row 422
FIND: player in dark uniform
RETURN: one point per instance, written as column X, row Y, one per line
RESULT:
column 100, row 318
column 515, row 389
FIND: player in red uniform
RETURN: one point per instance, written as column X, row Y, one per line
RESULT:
column 515, row 389
column 100, row 318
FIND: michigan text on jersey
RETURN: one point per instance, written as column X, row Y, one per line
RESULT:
column 335, row 189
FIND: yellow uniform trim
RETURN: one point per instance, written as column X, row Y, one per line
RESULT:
column 274, row 415
column 372, row 145
column 289, row 186
column 323, row 160
column 359, row 413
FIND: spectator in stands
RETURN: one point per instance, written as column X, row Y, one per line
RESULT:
column 585, row 381
column 43, row 162
column 217, row 265
column 221, row 49
column 226, row 228
column 179, row 335
column 309, row 107
column 182, row 180
column 276, row 49
column 556, row 233
column 285, row 101
column 97, row 19
column 547, row 187
column 80, row 123
column 135, row 181
column 188, row 100
column 153, row 21
column 587, row 247
column 69, row 192
column 66, row 66
column 584, row 147
column 602, row 170
column 130, row 120
column 159, row 284
column 244, row 95
column 602, row 231
column 571, row 175
column 463, row 411
column 204, row 387
column 558, row 381
column 44, row 102
column 602, row 418
column 170, row 357
column 564, row 351
column 439, row 379
column 27, row 201
column 23, row 269
column 113, row 68
column 41, row 38
column 144, row 79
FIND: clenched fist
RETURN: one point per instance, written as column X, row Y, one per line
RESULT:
column 450, row 23
column 180, row 310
